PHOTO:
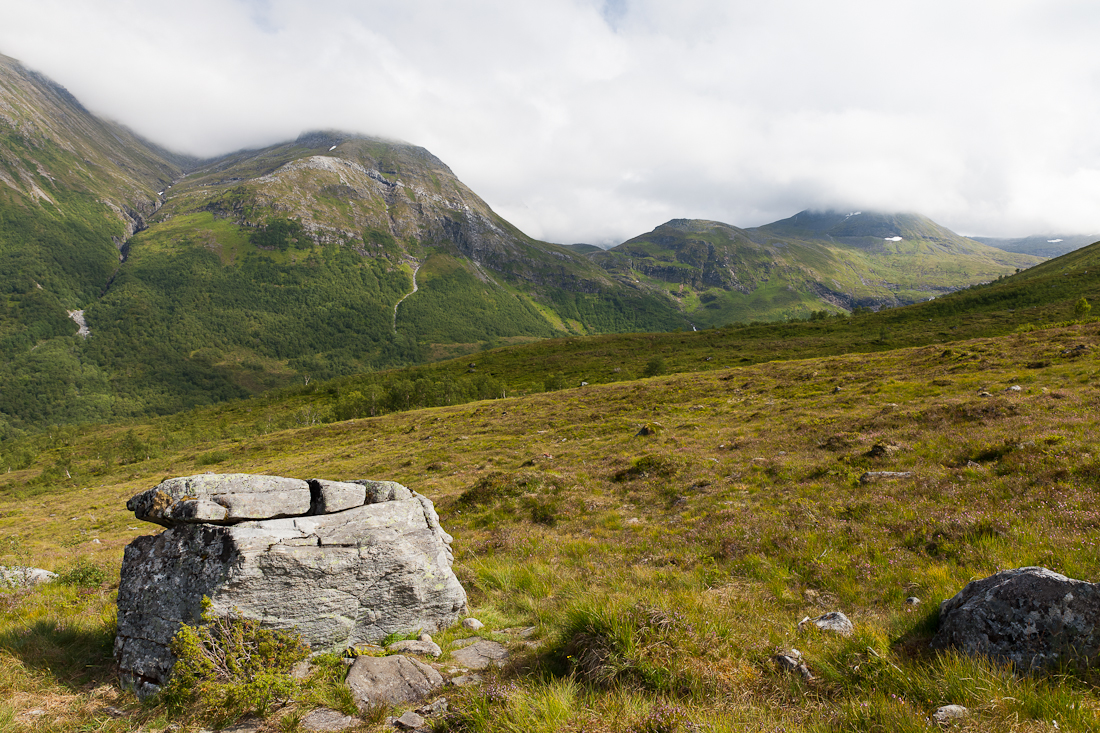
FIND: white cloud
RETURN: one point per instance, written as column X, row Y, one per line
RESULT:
column 596, row 120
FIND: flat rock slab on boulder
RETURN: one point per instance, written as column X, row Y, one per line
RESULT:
column 1031, row 617
column 480, row 655
column 339, row 579
column 392, row 680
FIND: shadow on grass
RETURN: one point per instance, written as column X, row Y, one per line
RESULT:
column 73, row 656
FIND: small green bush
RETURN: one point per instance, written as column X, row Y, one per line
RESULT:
column 230, row 666
column 655, row 367
column 83, row 573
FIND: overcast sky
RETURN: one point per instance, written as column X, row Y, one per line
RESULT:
column 597, row 120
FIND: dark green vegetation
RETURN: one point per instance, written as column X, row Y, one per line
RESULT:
column 824, row 262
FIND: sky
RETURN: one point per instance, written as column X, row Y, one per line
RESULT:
column 597, row 120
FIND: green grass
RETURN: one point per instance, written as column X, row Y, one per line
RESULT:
column 664, row 572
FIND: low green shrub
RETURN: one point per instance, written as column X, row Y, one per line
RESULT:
column 229, row 666
column 83, row 573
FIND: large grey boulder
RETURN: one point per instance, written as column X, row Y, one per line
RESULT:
column 1031, row 617
column 339, row 579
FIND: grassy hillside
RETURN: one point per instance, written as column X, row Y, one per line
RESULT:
column 684, row 559
column 663, row 571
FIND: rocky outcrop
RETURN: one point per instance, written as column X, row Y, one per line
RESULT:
column 339, row 562
column 1031, row 617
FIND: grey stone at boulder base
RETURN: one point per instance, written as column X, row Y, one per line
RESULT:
column 409, row 721
column 1030, row 616
column 409, row 646
column 480, row 655
column 391, row 680
column 834, row 621
column 338, row 579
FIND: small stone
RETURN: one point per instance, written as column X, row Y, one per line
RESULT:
column 301, row 670
column 436, row 707
column 424, row 637
column 949, row 714
column 1014, row 388
column 834, row 621
column 472, row 624
column 786, row 663
column 883, row 476
column 481, row 655
column 391, row 680
column 409, row 721
column 466, row 680
column 912, row 601
column 882, row 450
column 429, row 648
column 326, row 719
column 983, row 393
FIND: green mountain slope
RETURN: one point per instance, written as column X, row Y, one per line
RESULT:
column 207, row 280
column 811, row 262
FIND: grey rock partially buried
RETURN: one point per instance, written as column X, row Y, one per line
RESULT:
column 295, row 554
column 1031, row 617
column 392, row 680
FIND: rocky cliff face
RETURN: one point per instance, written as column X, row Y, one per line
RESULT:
column 338, row 562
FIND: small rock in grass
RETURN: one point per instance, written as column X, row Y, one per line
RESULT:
column 460, row 643
column 882, row 450
column 481, row 654
column 466, row 680
column 326, row 719
column 791, row 663
column 19, row 577
column 391, row 680
column 434, row 708
column 472, row 624
column 912, row 601
column 883, row 476
column 424, row 637
column 409, row 721
column 301, row 670
column 949, row 714
column 834, row 621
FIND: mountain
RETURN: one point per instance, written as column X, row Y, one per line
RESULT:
column 200, row 281
column 1041, row 245
column 812, row 262
column 138, row 281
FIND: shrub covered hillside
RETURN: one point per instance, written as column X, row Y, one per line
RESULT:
column 664, row 571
